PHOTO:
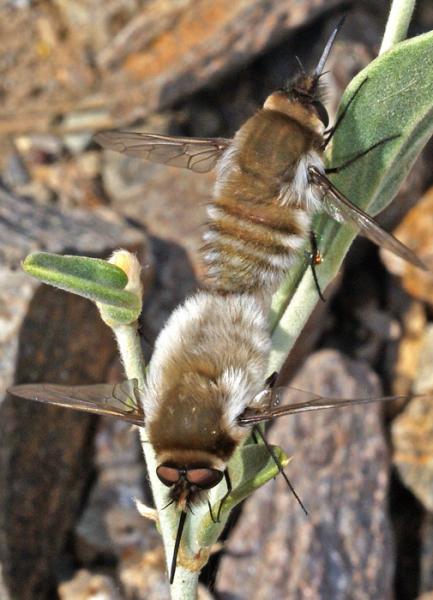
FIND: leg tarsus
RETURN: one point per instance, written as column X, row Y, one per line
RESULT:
column 226, row 495
column 271, row 380
column 211, row 512
column 350, row 161
column 330, row 133
column 280, row 468
column 314, row 260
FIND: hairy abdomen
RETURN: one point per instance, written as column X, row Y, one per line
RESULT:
column 260, row 216
column 209, row 362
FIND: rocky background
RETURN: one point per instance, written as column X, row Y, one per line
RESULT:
column 69, row 527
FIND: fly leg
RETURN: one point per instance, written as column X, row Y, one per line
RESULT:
column 214, row 520
column 279, row 466
column 226, row 495
column 330, row 132
column 315, row 259
column 351, row 160
column 253, row 435
column 271, row 380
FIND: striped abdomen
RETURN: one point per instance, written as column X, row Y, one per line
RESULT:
column 260, row 216
column 245, row 251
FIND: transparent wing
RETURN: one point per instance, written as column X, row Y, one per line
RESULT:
column 197, row 154
column 120, row 400
column 343, row 211
column 268, row 405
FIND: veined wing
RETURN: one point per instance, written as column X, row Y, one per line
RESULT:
column 269, row 404
column 343, row 211
column 120, row 400
column 196, row 154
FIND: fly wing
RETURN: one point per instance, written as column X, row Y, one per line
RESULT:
column 197, row 154
column 312, row 402
column 343, row 211
column 120, row 400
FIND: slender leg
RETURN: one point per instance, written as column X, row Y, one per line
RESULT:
column 167, row 505
column 314, row 261
column 330, row 133
column 360, row 154
column 254, row 436
column 226, row 495
column 270, row 381
column 211, row 512
column 280, row 468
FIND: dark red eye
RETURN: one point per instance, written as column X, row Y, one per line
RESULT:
column 204, row 478
column 168, row 475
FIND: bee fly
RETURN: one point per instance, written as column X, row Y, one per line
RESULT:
column 205, row 389
column 270, row 181
column 205, row 392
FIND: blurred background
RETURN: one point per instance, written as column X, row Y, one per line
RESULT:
column 69, row 527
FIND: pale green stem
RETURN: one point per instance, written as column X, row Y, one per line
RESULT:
column 185, row 582
column 129, row 345
column 398, row 23
column 292, row 322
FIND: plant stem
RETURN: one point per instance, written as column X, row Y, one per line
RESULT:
column 398, row 23
column 185, row 582
column 292, row 322
column 128, row 342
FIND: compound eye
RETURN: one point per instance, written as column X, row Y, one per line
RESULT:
column 204, row 478
column 168, row 475
column 321, row 112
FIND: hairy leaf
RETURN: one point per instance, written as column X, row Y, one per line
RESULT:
column 91, row 278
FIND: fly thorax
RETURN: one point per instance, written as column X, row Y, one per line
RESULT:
column 304, row 114
column 193, row 427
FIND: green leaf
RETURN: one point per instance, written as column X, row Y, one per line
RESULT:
column 250, row 468
column 40, row 264
column 91, row 278
column 397, row 98
column 253, row 467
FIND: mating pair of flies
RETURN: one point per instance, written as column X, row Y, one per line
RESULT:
column 270, row 181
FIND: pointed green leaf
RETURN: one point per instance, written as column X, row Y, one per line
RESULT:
column 40, row 264
column 92, row 278
column 250, row 468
